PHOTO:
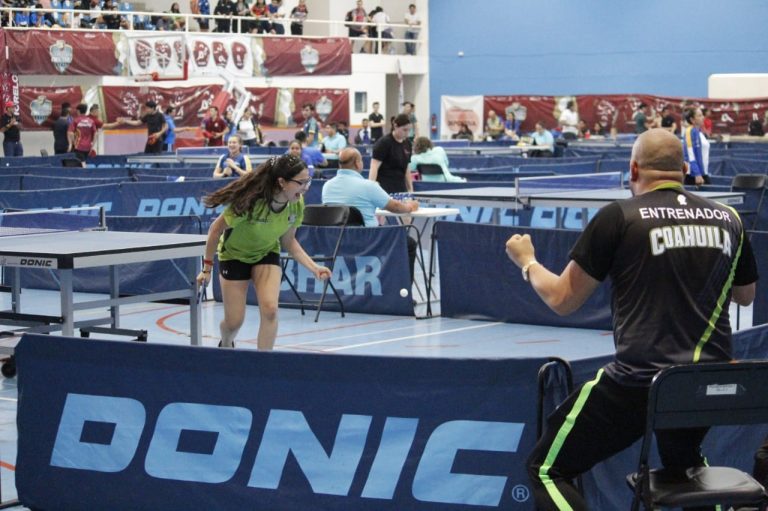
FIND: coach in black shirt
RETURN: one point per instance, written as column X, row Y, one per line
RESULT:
column 675, row 261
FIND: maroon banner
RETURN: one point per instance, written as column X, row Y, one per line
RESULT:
column 617, row 110
column 39, row 107
column 295, row 57
column 192, row 103
column 331, row 105
column 52, row 52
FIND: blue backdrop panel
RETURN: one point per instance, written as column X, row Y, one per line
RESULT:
column 70, row 171
column 760, row 247
column 10, row 182
column 133, row 429
column 369, row 274
column 37, row 182
column 496, row 291
column 137, row 278
column 107, row 196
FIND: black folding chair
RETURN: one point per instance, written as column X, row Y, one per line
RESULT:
column 322, row 216
column 430, row 169
column 701, row 395
column 753, row 186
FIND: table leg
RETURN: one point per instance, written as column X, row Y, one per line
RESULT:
column 195, row 316
column 67, row 302
column 114, row 293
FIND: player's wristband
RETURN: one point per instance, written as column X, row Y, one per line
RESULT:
column 209, row 262
column 206, row 271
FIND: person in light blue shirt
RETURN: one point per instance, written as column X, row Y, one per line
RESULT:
column 543, row 137
column 350, row 188
column 334, row 141
column 424, row 152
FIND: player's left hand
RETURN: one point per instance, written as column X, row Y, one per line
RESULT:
column 520, row 249
column 322, row 273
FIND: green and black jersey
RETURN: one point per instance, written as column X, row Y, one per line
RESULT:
column 672, row 257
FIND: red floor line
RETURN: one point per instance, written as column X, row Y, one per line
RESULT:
column 7, row 465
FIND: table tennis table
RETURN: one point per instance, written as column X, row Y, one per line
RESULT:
column 508, row 197
column 64, row 252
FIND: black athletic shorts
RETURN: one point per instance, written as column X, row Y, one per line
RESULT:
column 238, row 270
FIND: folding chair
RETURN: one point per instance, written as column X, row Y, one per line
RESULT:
column 322, row 216
column 431, row 169
column 753, row 186
column 702, row 395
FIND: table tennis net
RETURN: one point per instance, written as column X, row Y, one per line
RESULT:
column 24, row 223
column 560, row 183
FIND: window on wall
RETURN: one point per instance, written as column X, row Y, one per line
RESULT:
column 361, row 102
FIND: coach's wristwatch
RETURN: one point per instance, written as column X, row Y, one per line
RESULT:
column 528, row 267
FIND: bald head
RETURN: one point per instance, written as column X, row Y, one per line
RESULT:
column 350, row 158
column 658, row 149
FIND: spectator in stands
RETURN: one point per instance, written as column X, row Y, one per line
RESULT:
column 177, row 22
column 249, row 131
column 260, row 11
column 233, row 163
column 353, row 19
column 391, row 155
column 425, row 153
column 494, row 129
column 11, row 132
column 156, row 127
column 381, row 28
column 109, row 21
column 511, row 128
column 298, row 15
column 600, row 129
column 343, row 130
column 350, row 188
column 240, row 8
column 413, row 20
column 214, row 128
column 61, row 128
column 201, row 7
column 311, row 156
column 643, row 119
column 542, row 137
column 695, row 149
column 311, row 127
column 706, row 124
column 334, row 142
column 464, row 133
column 82, row 133
column 229, row 118
column 263, row 210
column 276, row 17
column 377, row 123
column 569, row 121
column 224, row 8
column 584, row 132
column 363, row 136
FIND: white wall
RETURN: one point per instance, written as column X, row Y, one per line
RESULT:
column 738, row 86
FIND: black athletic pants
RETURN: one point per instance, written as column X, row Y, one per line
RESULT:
column 597, row 421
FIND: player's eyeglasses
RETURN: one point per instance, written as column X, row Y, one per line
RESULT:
column 304, row 183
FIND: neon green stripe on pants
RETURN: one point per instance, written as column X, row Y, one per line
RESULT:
column 557, row 444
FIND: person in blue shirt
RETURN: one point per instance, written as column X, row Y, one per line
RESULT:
column 311, row 156
column 695, row 148
column 543, row 137
column 233, row 163
column 334, row 141
column 350, row 188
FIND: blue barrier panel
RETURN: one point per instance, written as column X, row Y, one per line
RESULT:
column 10, row 182
column 759, row 241
column 70, row 171
column 133, row 429
column 369, row 274
column 496, row 291
column 36, row 182
column 107, row 196
column 138, row 278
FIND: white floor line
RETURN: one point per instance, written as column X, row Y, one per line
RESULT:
column 340, row 337
column 418, row 336
column 8, row 399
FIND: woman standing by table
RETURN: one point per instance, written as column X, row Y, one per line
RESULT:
column 263, row 210
column 391, row 155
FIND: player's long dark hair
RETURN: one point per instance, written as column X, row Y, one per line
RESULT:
column 253, row 193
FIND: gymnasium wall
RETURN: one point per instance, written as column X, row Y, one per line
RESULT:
column 591, row 47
